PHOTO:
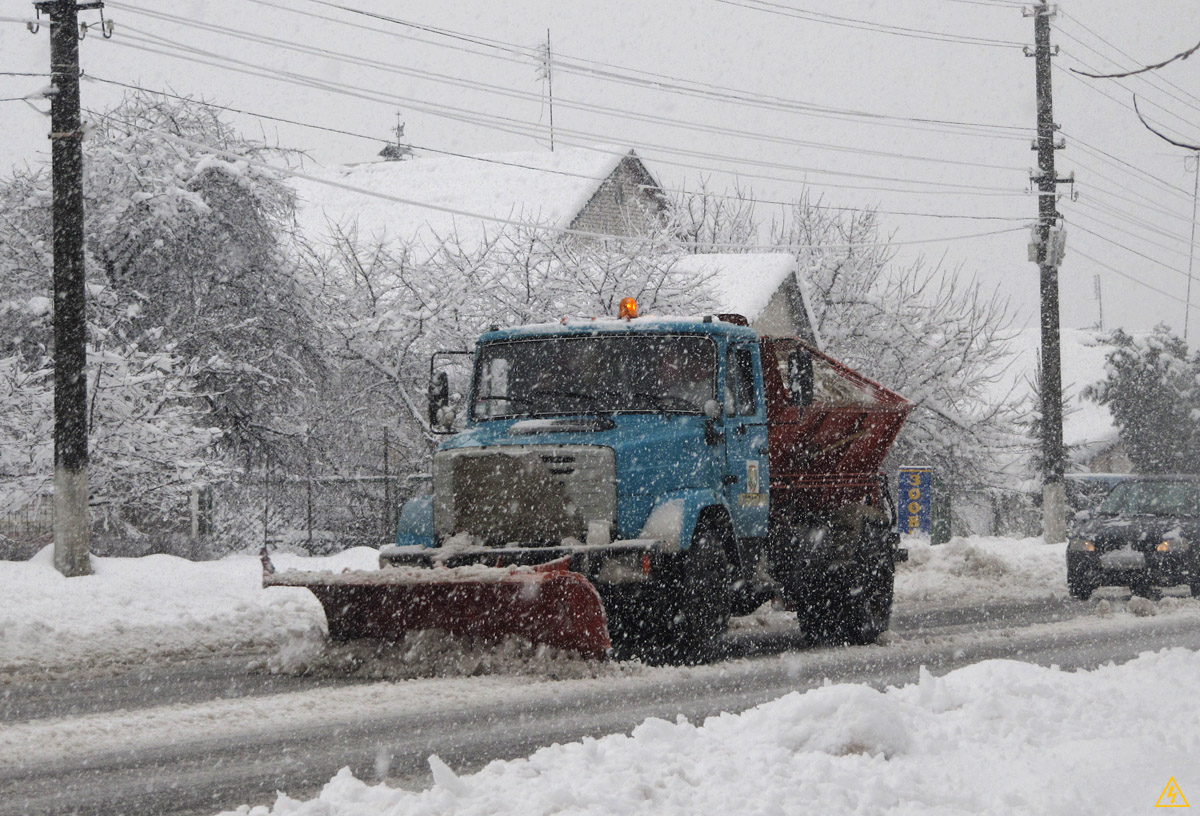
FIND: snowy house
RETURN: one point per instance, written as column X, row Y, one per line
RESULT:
column 764, row 287
column 428, row 200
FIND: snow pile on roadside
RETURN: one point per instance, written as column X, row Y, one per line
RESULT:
column 996, row 737
column 981, row 570
column 161, row 607
column 151, row 608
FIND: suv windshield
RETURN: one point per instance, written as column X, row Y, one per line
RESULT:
column 607, row 374
column 1152, row 498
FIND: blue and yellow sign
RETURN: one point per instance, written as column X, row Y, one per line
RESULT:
column 915, row 499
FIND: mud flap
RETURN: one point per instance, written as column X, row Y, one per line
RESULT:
column 544, row 604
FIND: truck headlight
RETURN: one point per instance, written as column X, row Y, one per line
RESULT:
column 1080, row 545
column 1178, row 545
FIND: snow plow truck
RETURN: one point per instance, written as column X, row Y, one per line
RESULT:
column 625, row 485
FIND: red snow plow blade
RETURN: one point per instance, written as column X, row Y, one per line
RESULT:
column 543, row 604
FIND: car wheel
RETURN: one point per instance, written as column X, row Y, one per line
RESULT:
column 1080, row 586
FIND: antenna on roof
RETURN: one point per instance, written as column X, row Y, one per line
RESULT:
column 545, row 71
column 397, row 150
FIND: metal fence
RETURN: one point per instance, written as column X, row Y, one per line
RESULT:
column 25, row 531
column 318, row 514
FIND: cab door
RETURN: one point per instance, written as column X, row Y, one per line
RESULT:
column 746, row 476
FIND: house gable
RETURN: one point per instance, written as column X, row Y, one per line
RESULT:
column 628, row 202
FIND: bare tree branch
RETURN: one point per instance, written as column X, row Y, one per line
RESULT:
column 1162, row 136
column 1182, row 55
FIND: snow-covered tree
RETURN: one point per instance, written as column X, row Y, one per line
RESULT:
column 197, row 329
column 195, row 237
column 1152, row 388
column 713, row 222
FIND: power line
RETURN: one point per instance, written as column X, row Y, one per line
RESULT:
column 868, row 25
column 1125, row 54
column 518, row 127
column 1110, row 225
column 1097, row 89
column 566, row 102
column 1129, row 249
column 493, row 160
column 1118, row 163
column 1132, row 279
column 659, row 82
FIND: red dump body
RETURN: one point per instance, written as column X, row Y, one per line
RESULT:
column 827, row 454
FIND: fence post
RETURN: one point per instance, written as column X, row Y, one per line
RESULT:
column 308, row 483
column 387, row 487
column 194, row 509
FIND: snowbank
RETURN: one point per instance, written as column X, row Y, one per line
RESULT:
column 997, row 737
column 161, row 607
column 980, row 570
column 151, row 608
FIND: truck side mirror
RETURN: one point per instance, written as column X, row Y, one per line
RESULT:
column 439, row 398
column 800, row 377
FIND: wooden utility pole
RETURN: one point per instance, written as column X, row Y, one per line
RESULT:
column 72, row 522
column 1048, row 250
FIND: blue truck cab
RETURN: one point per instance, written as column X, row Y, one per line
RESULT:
column 600, row 432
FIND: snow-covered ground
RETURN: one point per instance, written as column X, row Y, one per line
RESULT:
column 134, row 610
column 996, row 737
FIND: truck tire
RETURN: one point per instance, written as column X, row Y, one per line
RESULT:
column 688, row 609
column 853, row 605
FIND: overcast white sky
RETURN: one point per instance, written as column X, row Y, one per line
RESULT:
column 902, row 63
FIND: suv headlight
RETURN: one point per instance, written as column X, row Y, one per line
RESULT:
column 1081, row 545
column 1178, row 545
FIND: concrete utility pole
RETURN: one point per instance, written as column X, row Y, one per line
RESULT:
column 72, row 522
column 1187, row 306
column 1048, row 250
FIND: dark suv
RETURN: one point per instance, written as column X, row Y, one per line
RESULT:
column 1144, row 534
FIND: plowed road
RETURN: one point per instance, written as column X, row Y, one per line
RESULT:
column 198, row 769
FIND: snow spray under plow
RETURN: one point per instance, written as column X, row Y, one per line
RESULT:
column 544, row 604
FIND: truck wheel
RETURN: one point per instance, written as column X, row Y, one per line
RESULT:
column 693, row 601
column 854, row 607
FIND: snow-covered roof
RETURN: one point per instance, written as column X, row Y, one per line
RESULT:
column 539, row 187
column 742, row 283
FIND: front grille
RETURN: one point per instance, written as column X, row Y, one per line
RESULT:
column 534, row 494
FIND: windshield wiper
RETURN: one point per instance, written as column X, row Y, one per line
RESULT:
column 667, row 402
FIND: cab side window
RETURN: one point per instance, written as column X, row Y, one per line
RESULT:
column 739, row 383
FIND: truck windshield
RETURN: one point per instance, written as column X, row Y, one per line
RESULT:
column 609, row 374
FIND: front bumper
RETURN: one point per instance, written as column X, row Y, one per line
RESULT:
column 631, row 561
column 1156, row 569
